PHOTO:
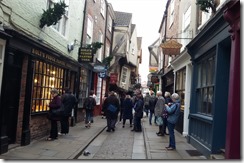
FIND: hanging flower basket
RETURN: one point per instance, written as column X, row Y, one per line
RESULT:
column 171, row 47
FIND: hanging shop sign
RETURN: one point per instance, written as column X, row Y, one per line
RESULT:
column 102, row 74
column 85, row 55
column 171, row 47
column 99, row 67
column 113, row 78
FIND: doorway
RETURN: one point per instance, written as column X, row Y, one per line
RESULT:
column 11, row 93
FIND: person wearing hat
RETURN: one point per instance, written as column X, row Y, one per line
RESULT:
column 54, row 104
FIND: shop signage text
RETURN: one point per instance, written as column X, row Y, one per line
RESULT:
column 85, row 55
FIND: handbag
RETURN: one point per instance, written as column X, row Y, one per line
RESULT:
column 159, row 121
column 58, row 112
column 112, row 108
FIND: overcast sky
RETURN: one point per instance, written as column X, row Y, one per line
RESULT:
column 147, row 15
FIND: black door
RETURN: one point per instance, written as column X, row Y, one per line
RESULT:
column 11, row 94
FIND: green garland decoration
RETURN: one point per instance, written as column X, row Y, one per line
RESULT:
column 205, row 5
column 52, row 15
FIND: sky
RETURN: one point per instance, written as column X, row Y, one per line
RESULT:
column 147, row 15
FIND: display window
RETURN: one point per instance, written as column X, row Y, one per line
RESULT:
column 46, row 77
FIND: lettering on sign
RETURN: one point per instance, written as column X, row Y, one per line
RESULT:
column 85, row 55
column 51, row 58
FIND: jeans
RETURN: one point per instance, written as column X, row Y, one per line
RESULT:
column 88, row 116
column 171, row 135
column 111, row 123
column 150, row 118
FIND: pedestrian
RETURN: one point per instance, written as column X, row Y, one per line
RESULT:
column 103, row 111
column 128, row 105
column 122, row 98
column 168, row 101
column 95, row 97
column 173, row 116
column 89, row 104
column 138, row 108
column 158, row 111
column 146, row 103
column 68, row 101
column 111, row 107
column 54, row 105
column 152, row 102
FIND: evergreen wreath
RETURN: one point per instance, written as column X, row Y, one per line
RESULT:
column 205, row 5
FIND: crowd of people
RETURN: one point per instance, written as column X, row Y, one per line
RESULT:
column 164, row 111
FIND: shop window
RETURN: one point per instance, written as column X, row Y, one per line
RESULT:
column 124, row 74
column 205, row 85
column 99, row 89
column 83, row 90
column 180, row 85
column 46, row 77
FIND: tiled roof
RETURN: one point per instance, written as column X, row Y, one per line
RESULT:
column 122, row 18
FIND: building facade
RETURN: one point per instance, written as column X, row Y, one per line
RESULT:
column 35, row 59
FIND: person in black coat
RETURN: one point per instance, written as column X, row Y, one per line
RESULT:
column 127, row 114
column 111, row 108
column 138, row 108
column 68, row 102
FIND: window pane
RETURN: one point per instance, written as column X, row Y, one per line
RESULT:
column 199, row 72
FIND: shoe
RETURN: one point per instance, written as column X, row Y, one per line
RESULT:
column 167, row 147
column 123, row 126
column 60, row 133
column 50, row 139
column 113, row 129
column 160, row 134
column 166, row 134
column 132, row 130
column 150, row 123
column 130, row 125
column 157, row 133
column 170, row 148
column 108, row 130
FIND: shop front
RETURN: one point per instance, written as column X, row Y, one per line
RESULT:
column 31, row 70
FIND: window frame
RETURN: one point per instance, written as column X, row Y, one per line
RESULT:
column 205, row 88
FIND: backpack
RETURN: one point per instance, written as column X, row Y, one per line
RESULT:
column 89, row 103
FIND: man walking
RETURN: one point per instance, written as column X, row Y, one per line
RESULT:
column 89, row 105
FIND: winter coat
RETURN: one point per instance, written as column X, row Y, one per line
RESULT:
column 54, row 105
column 152, row 102
column 113, row 100
column 159, row 107
column 128, row 105
column 168, row 100
column 89, row 101
column 138, row 107
column 68, row 101
column 173, row 112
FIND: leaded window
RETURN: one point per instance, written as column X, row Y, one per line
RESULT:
column 46, row 77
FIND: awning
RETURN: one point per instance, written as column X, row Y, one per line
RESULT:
column 171, row 47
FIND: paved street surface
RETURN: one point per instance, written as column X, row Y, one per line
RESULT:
column 121, row 144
